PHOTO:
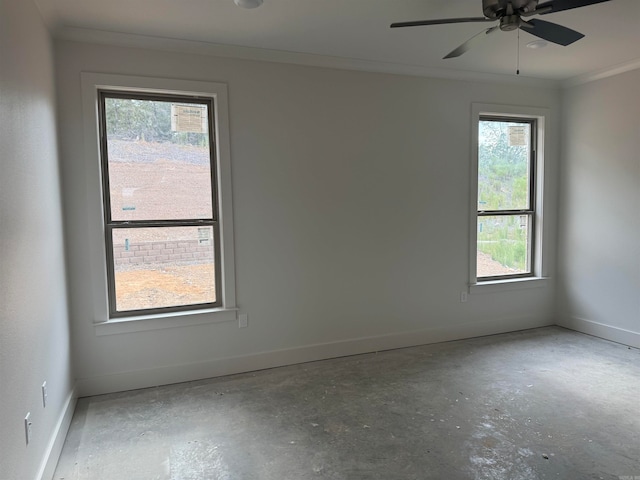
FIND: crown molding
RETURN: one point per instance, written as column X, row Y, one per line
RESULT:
column 279, row 56
column 602, row 73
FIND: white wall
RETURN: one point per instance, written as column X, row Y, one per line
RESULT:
column 599, row 251
column 34, row 327
column 351, row 216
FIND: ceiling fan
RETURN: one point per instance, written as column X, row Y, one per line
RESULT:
column 510, row 13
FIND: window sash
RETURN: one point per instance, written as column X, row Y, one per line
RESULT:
column 111, row 283
column 103, row 95
column 530, row 248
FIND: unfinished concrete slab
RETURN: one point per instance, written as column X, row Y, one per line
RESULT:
column 540, row 404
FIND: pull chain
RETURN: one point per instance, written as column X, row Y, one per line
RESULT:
column 518, row 55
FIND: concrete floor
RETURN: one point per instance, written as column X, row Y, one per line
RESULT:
column 541, row 404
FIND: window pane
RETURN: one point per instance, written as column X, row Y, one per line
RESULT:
column 163, row 267
column 503, row 165
column 503, row 245
column 159, row 162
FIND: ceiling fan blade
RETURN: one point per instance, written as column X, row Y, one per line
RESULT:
column 442, row 21
column 553, row 6
column 551, row 31
column 470, row 43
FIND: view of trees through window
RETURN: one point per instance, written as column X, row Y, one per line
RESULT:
column 504, row 198
column 161, row 222
column 148, row 121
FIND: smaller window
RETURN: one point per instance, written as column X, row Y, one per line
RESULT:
column 506, row 203
column 161, row 213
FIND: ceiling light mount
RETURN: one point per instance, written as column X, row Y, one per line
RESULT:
column 537, row 44
column 248, row 3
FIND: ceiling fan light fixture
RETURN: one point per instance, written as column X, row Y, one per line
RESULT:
column 537, row 44
column 248, row 3
column 510, row 14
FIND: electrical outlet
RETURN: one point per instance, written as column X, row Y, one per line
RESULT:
column 243, row 320
column 27, row 427
column 44, row 394
column 463, row 297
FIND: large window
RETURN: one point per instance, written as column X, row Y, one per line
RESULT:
column 506, row 197
column 159, row 229
column 511, row 198
column 161, row 216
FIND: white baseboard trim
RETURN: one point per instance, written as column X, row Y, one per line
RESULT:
column 227, row 366
column 54, row 448
column 608, row 332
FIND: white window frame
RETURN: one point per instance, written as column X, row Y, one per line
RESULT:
column 91, row 84
column 538, row 277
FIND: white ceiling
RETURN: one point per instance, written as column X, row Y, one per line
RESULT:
column 359, row 30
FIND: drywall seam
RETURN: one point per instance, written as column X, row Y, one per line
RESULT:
column 259, row 361
column 608, row 332
column 56, row 442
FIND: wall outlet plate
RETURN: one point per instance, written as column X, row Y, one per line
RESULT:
column 243, row 320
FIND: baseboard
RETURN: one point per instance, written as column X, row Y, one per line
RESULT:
column 54, row 448
column 608, row 332
column 227, row 366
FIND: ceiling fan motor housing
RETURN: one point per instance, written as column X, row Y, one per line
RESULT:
column 499, row 8
column 509, row 23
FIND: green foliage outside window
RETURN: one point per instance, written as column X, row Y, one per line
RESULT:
column 147, row 121
column 505, row 239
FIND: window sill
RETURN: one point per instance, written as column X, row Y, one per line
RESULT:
column 145, row 323
column 497, row 286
